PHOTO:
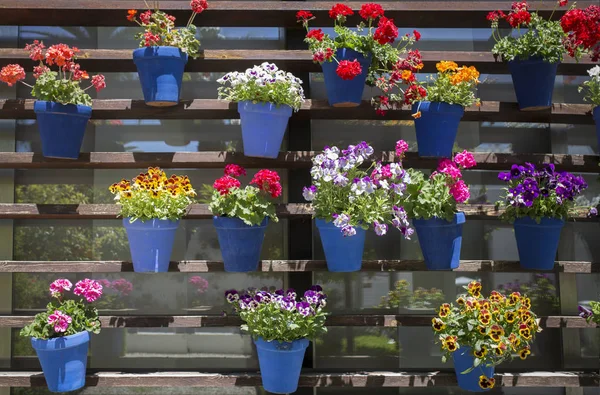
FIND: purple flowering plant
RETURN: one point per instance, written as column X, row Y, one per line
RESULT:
column 591, row 314
column 279, row 315
column 67, row 316
column 539, row 192
column 351, row 195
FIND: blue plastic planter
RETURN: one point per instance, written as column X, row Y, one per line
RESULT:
column 151, row 243
column 263, row 127
column 345, row 93
column 240, row 244
column 596, row 113
column 533, row 80
column 63, row 360
column 280, row 364
column 343, row 254
column 463, row 360
column 160, row 70
column 440, row 241
column 61, row 127
column 437, row 128
column 538, row 243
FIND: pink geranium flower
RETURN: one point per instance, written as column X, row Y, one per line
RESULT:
column 465, row 159
column 91, row 290
column 59, row 286
column 60, row 321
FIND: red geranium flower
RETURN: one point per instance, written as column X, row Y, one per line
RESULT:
column 370, row 11
column 225, row 184
column 414, row 92
column 317, row 34
column 60, row 54
column 98, row 82
column 36, row 50
column 145, row 17
column 198, row 5
column 39, row 70
column 11, row 74
column 417, row 35
column 563, row 3
column 386, row 31
column 328, row 53
column 522, row 17
column 151, row 39
column 234, row 170
column 348, row 70
column 494, row 16
column 267, row 181
column 303, row 16
column 340, row 10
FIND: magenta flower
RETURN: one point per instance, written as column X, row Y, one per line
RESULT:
column 465, row 159
column 446, row 166
column 59, row 286
column 401, row 148
column 460, row 191
column 91, row 290
column 122, row 286
column 60, row 321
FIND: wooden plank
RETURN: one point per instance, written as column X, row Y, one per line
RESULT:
column 120, row 60
column 437, row 14
column 201, row 211
column 204, row 321
column 292, row 266
column 288, row 160
column 489, row 111
column 307, row 379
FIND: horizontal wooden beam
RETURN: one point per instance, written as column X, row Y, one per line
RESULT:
column 284, row 266
column 120, row 60
column 489, row 111
column 204, row 321
column 290, row 159
column 201, row 211
column 437, row 14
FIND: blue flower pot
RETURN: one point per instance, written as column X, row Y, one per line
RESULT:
column 240, row 244
column 463, row 360
column 345, row 93
column 280, row 364
column 533, row 80
column 151, row 243
column 538, row 243
column 437, row 128
column 61, row 127
column 596, row 114
column 63, row 360
column 263, row 127
column 160, row 70
column 343, row 254
column 440, row 241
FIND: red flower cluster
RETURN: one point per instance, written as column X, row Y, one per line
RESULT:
column 321, row 56
column 583, row 29
column 78, row 74
column 198, row 5
column 414, row 92
column 98, row 82
column 339, row 11
column 145, row 17
column 302, row 16
column 563, row 3
column 386, row 31
column 413, row 62
column 417, row 35
column 519, row 14
column 268, row 181
column 60, row 54
column 225, row 184
column 348, row 70
column 495, row 16
column 11, row 74
column 36, row 50
column 234, row 170
column 317, row 34
column 370, row 11
column 151, row 39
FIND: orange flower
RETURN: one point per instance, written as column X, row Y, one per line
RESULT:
column 446, row 65
column 465, row 74
column 131, row 15
column 11, row 74
column 417, row 115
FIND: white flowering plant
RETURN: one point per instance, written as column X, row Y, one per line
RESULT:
column 265, row 84
column 591, row 87
column 278, row 315
column 353, row 196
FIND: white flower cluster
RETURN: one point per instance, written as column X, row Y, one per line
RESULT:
column 594, row 72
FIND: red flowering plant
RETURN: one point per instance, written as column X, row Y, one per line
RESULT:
column 534, row 36
column 67, row 316
column 377, row 43
column 250, row 204
column 437, row 195
column 60, row 86
column 159, row 28
column 583, row 31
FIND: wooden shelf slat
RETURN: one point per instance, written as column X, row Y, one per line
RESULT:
column 489, row 111
column 308, row 379
column 120, row 60
column 205, row 321
column 437, row 14
column 201, row 211
column 290, row 159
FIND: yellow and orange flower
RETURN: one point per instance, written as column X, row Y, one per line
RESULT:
column 501, row 349
column 483, row 304
column 482, row 330
column 510, row 316
column 460, row 301
column 416, row 115
column 474, row 289
column 465, row 74
column 450, row 343
column 481, row 353
column 525, row 331
column 514, row 341
column 485, row 317
column 513, row 299
column 526, row 302
column 496, row 297
column 437, row 324
column 524, row 353
column 496, row 333
column 446, row 65
column 486, row 383
column 444, row 310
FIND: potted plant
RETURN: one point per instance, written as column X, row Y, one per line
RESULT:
column 481, row 333
column 591, row 88
column 533, row 51
column 281, row 328
column 266, row 97
column 152, row 206
column 537, row 202
column 241, row 215
column 62, row 107
column 348, row 199
column 164, row 52
column 61, row 334
column 431, row 203
column 353, row 58
column 438, row 104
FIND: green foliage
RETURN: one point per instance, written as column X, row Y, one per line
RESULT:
column 50, row 87
column 595, row 312
column 591, row 87
column 249, row 204
column 401, row 296
column 428, row 197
